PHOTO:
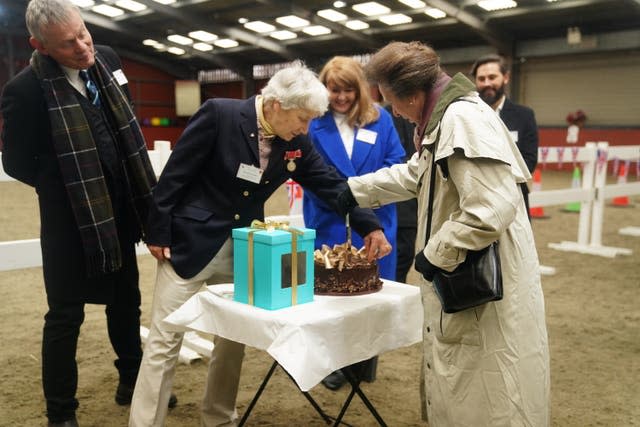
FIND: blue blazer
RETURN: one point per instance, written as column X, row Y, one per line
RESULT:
column 367, row 157
column 199, row 198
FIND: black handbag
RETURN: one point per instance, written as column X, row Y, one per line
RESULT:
column 476, row 281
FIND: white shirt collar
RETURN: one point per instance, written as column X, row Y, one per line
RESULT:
column 501, row 104
column 73, row 76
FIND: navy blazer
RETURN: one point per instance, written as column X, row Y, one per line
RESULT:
column 384, row 151
column 522, row 120
column 200, row 199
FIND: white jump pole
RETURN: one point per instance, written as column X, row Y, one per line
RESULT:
column 588, row 175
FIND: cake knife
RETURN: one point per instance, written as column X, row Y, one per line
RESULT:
column 348, row 225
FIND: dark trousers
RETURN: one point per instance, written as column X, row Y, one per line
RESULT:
column 60, row 340
column 406, row 242
column 525, row 195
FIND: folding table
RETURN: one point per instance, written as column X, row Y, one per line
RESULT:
column 311, row 340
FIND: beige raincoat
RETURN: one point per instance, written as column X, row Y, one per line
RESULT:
column 487, row 366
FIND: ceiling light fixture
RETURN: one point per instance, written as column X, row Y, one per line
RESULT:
column 83, row 3
column 106, row 10
column 292, row 21
column 491, row 5
column 371, row 8
column 356, row 25
column 131, row 5
column 331, row 15
column 435, row 13
column 316, row 30
column 283, row 35
column 203, row 47
column 203, row 36
column 339, row 4
column 176, row 50
column 165, row 2
column 226, row 43
column 414, row 4
column 259, row 27
column 177, row 38
column 395, row 19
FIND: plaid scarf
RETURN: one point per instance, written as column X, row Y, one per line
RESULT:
column 80, row 163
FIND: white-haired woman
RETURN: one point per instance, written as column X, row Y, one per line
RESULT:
column 231, row 157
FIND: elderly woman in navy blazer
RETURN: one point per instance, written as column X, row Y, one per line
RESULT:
column 231, row 157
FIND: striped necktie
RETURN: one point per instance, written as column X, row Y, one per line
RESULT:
column 92, row 90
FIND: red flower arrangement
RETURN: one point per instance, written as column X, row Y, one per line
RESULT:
column 578, row 118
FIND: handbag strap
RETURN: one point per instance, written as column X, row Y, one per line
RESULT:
column 432, row 188
column 433, row 176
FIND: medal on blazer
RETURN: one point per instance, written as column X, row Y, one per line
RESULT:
column 291, row 156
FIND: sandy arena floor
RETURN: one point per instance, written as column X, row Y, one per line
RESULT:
column 592, row 316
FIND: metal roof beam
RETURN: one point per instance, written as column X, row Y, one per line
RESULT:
column 311, row 16
column 197, row 23
column 120, row 27
column 502, row 42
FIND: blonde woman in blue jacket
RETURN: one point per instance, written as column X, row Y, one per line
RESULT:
column 356, row 137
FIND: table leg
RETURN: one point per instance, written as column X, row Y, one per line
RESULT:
column 258, row 393
column 354, row 377
column 327, row 419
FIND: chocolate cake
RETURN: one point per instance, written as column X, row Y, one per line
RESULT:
column 344, row 271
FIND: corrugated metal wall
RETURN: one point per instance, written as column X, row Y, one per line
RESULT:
column 605, row 86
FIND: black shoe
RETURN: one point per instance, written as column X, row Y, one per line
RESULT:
column 335, row 380
column 124, row 394
column 69, row 423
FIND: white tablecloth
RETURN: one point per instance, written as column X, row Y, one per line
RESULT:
column 313, row 339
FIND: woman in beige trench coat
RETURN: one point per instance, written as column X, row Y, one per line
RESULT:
column 489, row 365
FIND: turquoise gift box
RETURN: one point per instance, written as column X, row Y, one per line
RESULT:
column 272, row 263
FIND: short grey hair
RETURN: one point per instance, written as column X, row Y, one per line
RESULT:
column 297, row 87
column 42, row 13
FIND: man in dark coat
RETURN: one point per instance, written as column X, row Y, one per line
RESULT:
column 491, row 75
column 69, row 132
column 231, row 157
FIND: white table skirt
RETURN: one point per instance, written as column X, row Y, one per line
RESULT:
column 313, row 339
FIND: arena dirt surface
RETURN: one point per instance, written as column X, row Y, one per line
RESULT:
column 592, row 316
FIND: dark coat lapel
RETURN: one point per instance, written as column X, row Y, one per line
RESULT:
column 249, row 126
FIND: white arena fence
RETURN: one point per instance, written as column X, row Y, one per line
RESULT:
column 592, row 194
column 17, row 254
column 26, row 253
column 593, row 157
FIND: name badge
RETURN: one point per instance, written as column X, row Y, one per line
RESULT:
column 514, row 135
column 366, row 135
column 120, row 77
column 249, row 173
